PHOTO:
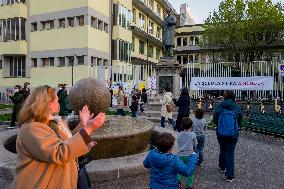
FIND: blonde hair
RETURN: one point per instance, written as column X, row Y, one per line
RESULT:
column 36, row 106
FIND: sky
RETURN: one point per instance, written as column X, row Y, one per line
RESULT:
column 201, row 8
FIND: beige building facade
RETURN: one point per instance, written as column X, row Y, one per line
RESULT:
column 52, row 42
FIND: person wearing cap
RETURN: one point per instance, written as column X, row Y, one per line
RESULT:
column 18, row 100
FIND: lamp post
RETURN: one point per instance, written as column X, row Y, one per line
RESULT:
column 72, row 70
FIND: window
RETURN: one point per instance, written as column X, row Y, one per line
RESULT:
column 134, row 15
column 94, row 61
column 151, row 27
column 196, row 40
column 181, row 41
column 70, row 21
column 159, row 10
column 1, row 64
column 100, row 25
column 99, row 62
column 47, row 62
column 51, row 22
column 34, row 26
column 123, row 16
column 34, row 62
column 151, row 51
column 71, row 60
column 61, row 61
column 124, row 51
column 46, row 25
column 190, row 58
column 141, row 47
column 141, row 21
column 12, row 29
column 151, row 4
column 133, row 44
column 105, row 62
column 106, row 27
column 80, row 60
column 158, row 34
column 80, row 20
column 94, row 22
column 158, row 54
column 62, row 23
column 17, row 66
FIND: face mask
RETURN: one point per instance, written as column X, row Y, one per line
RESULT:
column 16, row 90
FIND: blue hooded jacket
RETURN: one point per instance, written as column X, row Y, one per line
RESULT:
column 228, row 104
column 165, row 167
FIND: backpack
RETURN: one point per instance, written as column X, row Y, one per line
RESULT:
column 228, row 124
column 169, row 107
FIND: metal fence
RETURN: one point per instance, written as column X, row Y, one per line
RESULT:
column 227, row 69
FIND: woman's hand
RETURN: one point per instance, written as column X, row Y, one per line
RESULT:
column 95, row 123
column 85, row 115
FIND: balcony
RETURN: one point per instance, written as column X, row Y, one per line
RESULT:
column 13, row 10
column 146, row 9
column 13, row 48
column 141, row 33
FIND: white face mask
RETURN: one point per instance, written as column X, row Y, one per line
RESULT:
column 16, row 90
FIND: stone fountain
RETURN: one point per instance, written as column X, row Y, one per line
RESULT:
column 122, row 142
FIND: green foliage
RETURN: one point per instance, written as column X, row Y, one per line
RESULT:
column 243, row 26
column 4, row 106
column 6, row 117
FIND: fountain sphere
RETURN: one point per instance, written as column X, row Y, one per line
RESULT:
column 91, row 92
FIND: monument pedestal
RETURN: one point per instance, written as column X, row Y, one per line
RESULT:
column 168, row 75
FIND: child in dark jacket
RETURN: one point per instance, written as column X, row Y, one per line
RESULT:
column 164, row 166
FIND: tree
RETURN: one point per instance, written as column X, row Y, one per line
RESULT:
column 244, row 27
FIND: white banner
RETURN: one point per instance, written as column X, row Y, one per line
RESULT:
column 232, row 83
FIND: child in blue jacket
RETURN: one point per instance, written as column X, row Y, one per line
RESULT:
column 164, row 166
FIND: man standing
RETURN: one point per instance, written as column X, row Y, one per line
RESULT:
column 26, row 90
column 227, row 117
column 18, row 100
column 62, row 97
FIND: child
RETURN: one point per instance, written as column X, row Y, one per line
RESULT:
column 199, row 127
column 164, row 166
column 186, row 144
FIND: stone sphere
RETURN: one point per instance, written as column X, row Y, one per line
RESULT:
column 91, row 92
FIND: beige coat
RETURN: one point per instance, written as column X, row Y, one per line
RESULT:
column 44, row 160
column 168, row 98
column 120, row 99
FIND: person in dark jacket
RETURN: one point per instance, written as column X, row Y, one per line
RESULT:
column 62, row 98
column 164, row 166
column 184, row 108
column 227, row 144
column 134, row 105
column 144, row 100
column 26, row 90
column 18, row 100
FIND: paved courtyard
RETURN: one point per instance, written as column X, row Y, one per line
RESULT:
column 259, row 163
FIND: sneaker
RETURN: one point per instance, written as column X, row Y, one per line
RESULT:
column 230, row 179
column 10, row 127
column 179, row 185
column 223, row 171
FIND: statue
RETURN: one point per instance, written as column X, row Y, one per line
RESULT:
column 169, row 25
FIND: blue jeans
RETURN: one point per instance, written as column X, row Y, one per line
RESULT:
column 226, row 157
column 200, row 148
column 163, row 119
column 134, row 113
column 120, row 112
